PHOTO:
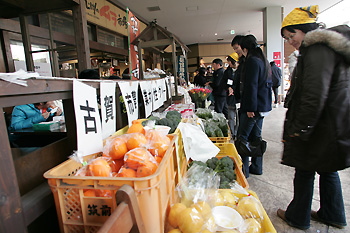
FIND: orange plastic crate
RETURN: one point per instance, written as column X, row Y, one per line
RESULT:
column 78, row 213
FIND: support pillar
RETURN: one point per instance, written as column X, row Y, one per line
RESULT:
column 81, row 36
column 274, row 46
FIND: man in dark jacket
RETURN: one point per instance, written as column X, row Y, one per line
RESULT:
column 276, row 79
column 219, row 87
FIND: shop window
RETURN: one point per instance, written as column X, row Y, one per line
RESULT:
column 111, row 39
column 41, row 60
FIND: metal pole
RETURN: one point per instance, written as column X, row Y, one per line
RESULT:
column 173, row 48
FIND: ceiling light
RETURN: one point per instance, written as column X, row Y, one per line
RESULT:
column 192, row 8
column 153, row 8
column 232, row 32
column 216, row 34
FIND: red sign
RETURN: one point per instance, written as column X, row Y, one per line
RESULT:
column 277, row 58
column 134, row 31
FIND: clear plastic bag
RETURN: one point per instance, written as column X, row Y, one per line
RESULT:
column 140, row 160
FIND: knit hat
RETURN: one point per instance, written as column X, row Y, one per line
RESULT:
column 234, row 56
column 301, row 15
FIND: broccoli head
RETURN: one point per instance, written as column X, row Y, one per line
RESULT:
column 173, row 113
column 198, row 163
column 226, row 162
column 212, row 163
column 225, row 185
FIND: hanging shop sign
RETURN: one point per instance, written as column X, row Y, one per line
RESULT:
column 87, row 117
column 133, row 32
column 146, row 89
column 277, row 58
column 108, row 108
column 181, row 67
column 129, row 92
column 105, row 14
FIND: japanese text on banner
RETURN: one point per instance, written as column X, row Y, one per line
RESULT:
column 129, row 92
column 146, row 89
column 88, row 121
column 134, row 31
column 108, row 108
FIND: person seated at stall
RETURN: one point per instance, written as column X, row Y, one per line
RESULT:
column 24, row 116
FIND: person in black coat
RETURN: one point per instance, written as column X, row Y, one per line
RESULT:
column 200, row 79
column 219, row 87
column 229, row 79
column 316, row 133
column 276, row 79
column 255, row 100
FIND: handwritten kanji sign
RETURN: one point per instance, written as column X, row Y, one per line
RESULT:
column 97, row 210
column 87, row 117
column 146, row 89
column 167, row 82
column 108, row 108
column 129, row 92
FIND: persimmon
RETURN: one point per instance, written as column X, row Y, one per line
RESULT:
column 100, row 167
column 136, row 140
column 136, row 158
column 147, row 169
column 90, row 193
column 103, row 193
column 136, row 127
column 117, row 148
column 158, row 144
column 158, row 159
column 116, row 164
column 126, row 172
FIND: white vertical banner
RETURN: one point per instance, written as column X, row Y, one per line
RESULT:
column 146, row 89
column 157, row 102
column 129, row 92
column 87, row 117
column 108, row 108
column 163, row 86
column 167, row 81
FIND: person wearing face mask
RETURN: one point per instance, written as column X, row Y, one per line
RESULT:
column 25, row 116
column 316, row 133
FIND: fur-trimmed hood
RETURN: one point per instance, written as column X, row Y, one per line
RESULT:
column 337, row 38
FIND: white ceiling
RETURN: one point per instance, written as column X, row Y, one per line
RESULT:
column 197, row 21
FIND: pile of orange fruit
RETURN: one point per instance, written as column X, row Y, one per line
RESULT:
column 134, row 154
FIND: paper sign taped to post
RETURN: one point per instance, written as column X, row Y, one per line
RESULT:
column 108, row 108
column 129, row 91
column 87, row 117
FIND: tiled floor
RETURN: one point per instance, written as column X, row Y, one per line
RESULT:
column 275, row 186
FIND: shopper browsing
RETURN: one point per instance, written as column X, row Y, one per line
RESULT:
column 219, row 87
column 229, row 75
column 255, row 101
column 276, row 79
column 317, row 127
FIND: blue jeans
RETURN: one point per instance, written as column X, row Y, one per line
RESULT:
column 249, row 129
column 331, row 210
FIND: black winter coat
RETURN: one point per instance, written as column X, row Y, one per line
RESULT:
column 319, row 103
column 276, row 76
column 218, row 84
column 229, row 76
column 256, row 94
column 200, row 80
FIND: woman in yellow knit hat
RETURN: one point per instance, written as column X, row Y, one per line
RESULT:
column 317, row 127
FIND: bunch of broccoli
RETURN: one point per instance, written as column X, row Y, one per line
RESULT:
column 172, row 119
column 224, row 167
